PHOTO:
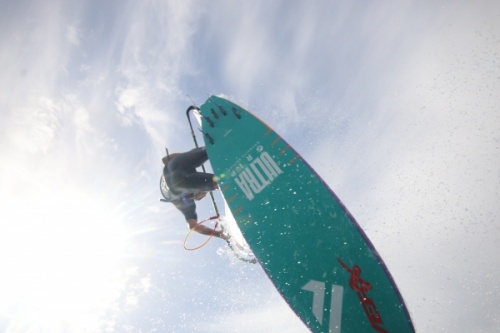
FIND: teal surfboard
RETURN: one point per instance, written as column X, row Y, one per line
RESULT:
column 309, row 245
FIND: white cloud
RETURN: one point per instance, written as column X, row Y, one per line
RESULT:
column 151, row 66
column 34, row 128
column 252, row 304
column 266, row 317
column 73, row 35
column 127, row 101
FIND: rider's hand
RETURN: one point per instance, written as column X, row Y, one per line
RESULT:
column 224, row 236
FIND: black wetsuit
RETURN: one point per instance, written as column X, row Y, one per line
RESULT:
column 185, row 182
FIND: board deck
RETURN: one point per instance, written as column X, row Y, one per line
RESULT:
column 309, row 245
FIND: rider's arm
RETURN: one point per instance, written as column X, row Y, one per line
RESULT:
column 193, row 224
column 188, row 208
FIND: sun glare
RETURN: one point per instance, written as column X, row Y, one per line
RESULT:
column 63, row 265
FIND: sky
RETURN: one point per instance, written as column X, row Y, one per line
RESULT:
column 395, row 104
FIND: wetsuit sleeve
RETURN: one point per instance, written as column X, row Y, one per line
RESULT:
column 187, row 207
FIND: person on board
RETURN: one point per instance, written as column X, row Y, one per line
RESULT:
column 186, row 185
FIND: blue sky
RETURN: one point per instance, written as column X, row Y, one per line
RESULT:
column 395, row 105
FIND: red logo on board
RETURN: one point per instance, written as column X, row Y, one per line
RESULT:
column 362, row 287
